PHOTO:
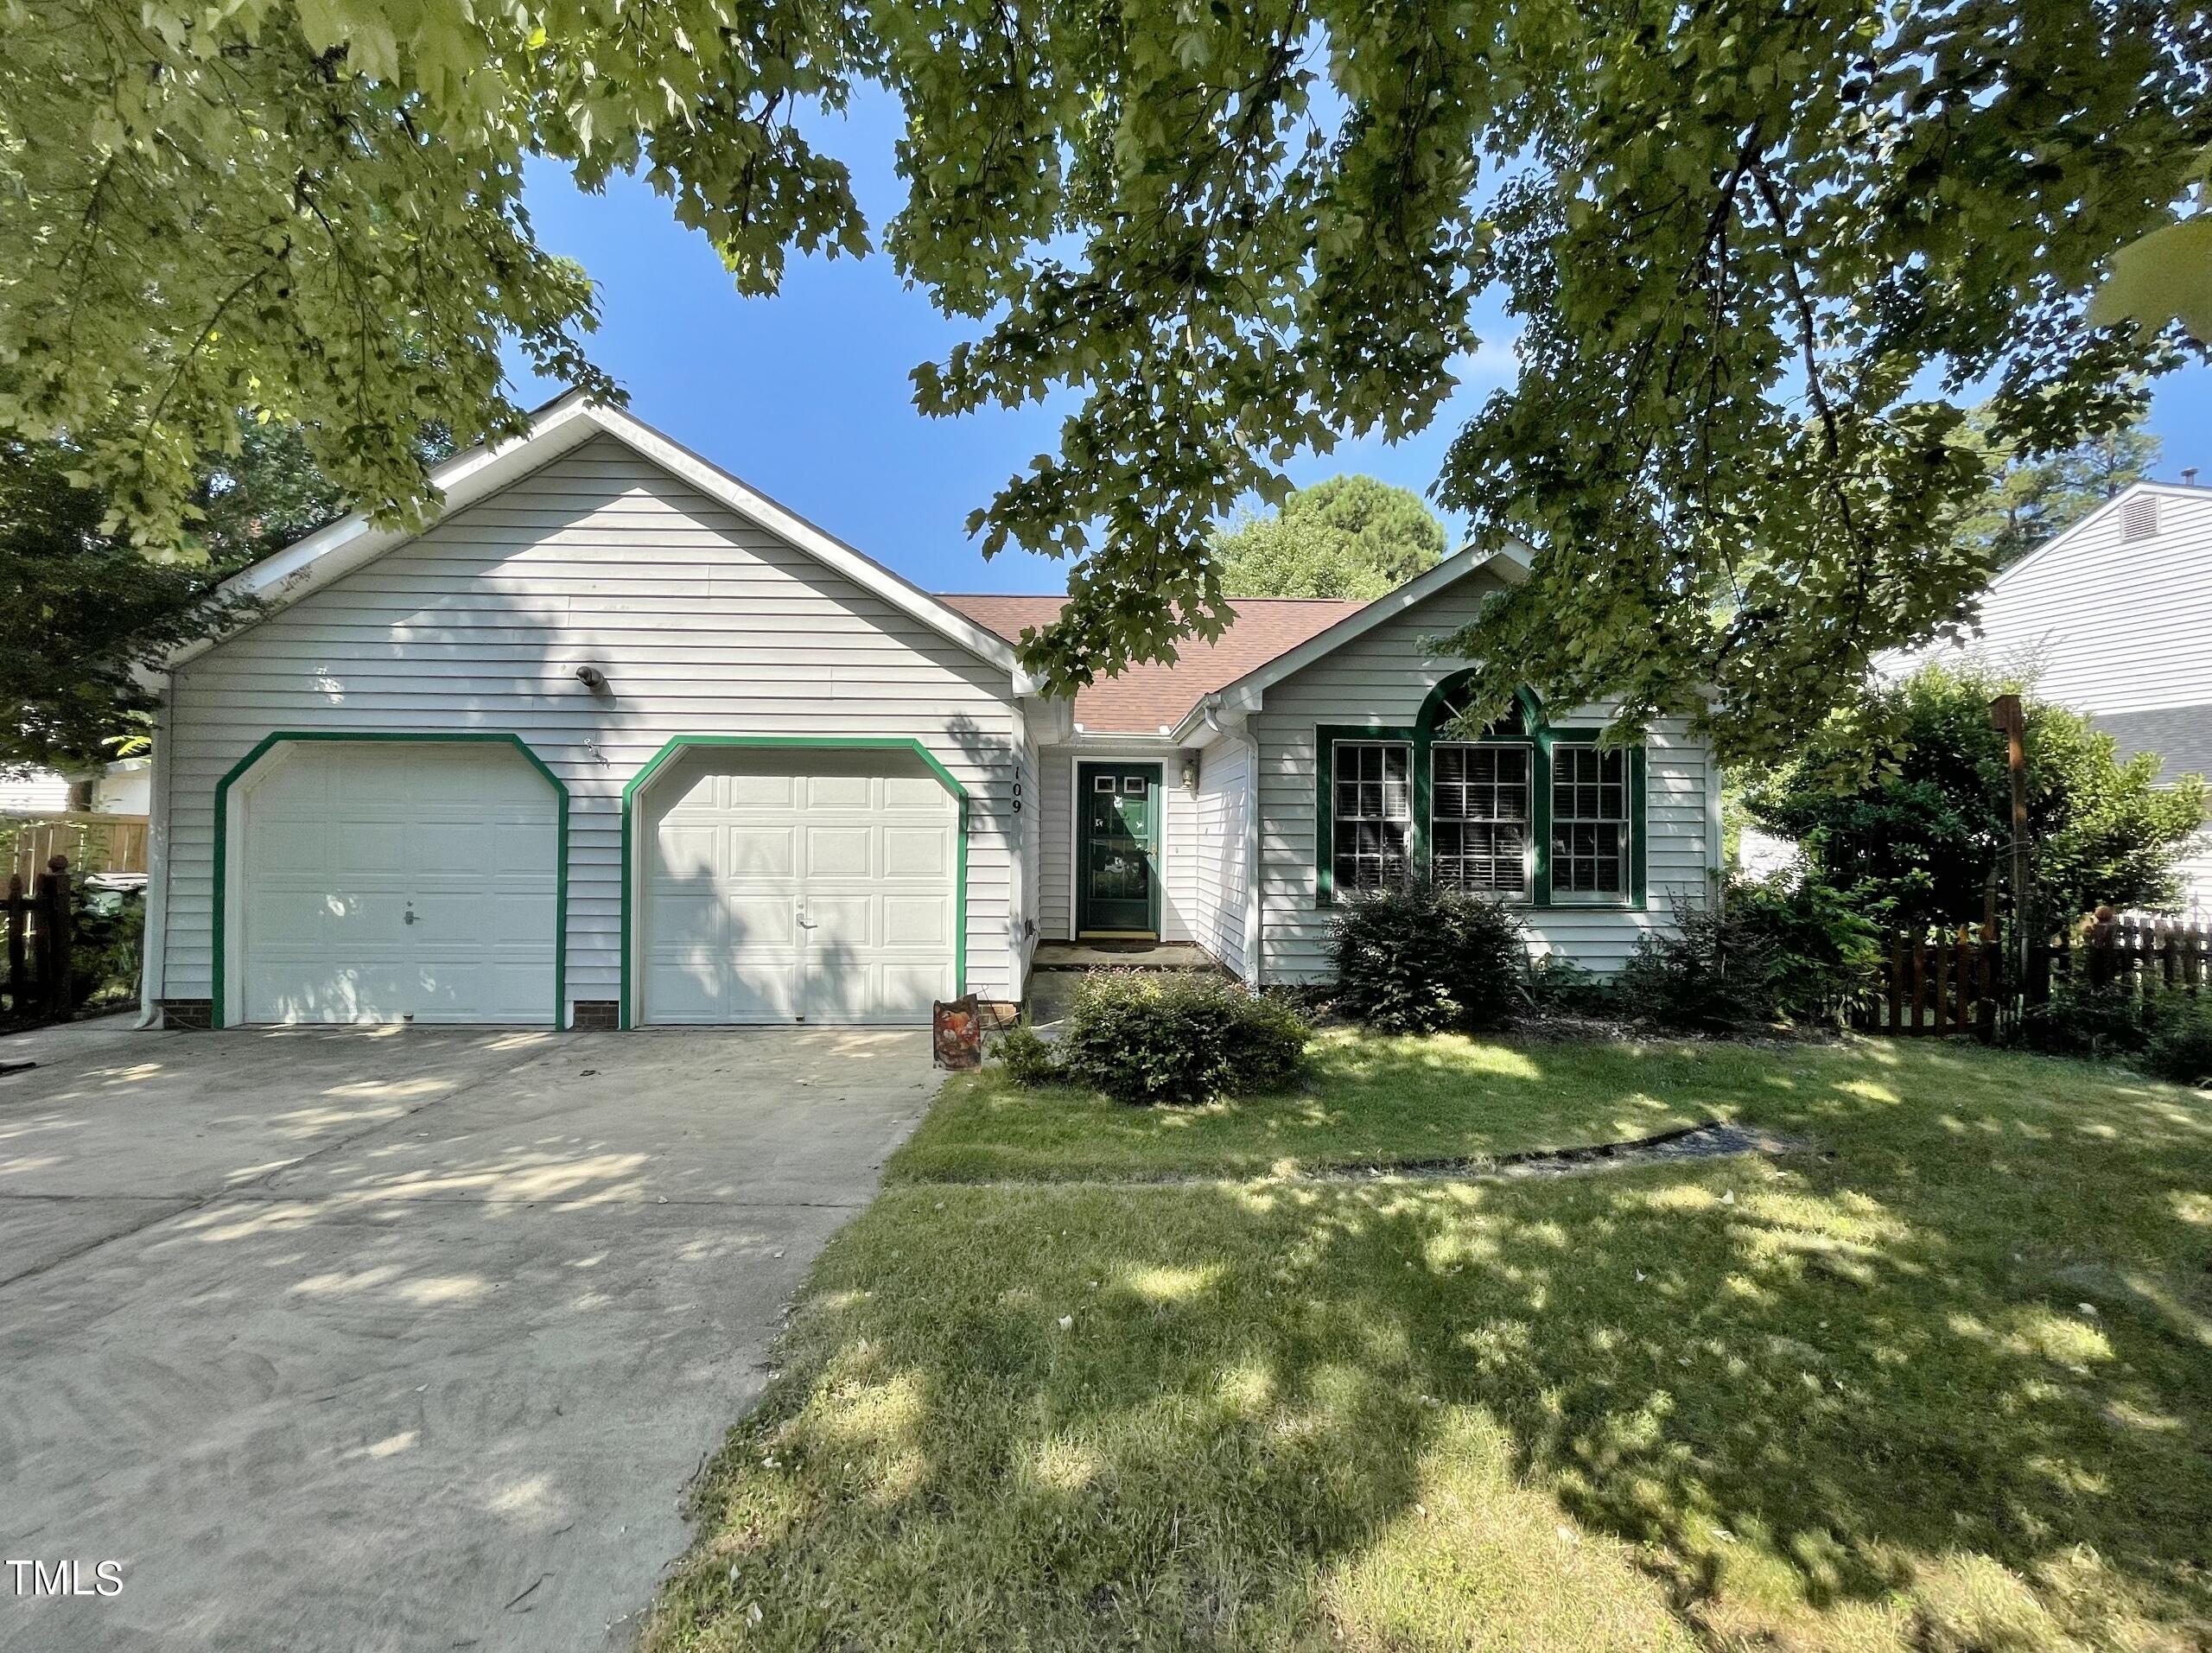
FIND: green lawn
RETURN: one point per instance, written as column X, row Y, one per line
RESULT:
column 1368, row 1101
column 1941, row 1380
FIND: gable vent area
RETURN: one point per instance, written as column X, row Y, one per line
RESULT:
column 2139, row 518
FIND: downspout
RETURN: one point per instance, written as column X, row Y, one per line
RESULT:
column 153, row 969
column 1210, row 708
column 1253, row 972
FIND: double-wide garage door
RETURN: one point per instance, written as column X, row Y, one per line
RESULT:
column 378, row 880
column 796, row 886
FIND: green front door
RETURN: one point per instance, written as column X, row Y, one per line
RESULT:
column 1117, row 852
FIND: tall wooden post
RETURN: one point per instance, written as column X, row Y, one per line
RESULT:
column 54, row 918
column 19, row 921
column 2004, row 715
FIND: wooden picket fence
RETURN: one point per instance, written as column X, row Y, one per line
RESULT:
column 1952, row 980
column 39, row 927
column 93, row 843
column 2141, row 956
column 1938, row 981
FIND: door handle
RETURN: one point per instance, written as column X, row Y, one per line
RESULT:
column 409, row 916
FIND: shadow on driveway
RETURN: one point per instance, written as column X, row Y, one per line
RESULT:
column 384, row 1338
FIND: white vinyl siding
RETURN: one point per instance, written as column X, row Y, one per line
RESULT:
column 2110, row 622
column 703, row 623
column 1221, row 876
column 1380, row 680
column 2107, row 623
column 1056, row 819
column 33, row 791
column 1027, row 820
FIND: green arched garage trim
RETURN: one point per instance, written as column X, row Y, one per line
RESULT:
column 792, row 743
column 220, row 963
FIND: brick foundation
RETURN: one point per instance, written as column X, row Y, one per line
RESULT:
column 597, row 1016
column 188, row 1015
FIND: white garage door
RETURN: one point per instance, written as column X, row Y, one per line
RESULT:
column 379, row 880
column 798, row 887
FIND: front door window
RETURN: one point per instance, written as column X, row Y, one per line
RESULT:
column 1117, row 881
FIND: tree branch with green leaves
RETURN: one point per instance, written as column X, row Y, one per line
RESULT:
column 1761, row 253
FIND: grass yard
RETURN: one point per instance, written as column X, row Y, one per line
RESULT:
column 1368, row 1101
column 1941, row 1380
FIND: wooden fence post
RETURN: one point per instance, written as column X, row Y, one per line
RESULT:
column 55, row 981
column 19, row 918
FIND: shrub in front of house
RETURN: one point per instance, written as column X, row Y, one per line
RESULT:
column 1174, row 1037
column 1709, row 972
column 1031, row 1062
column 2084, row 1019
column 2180, row 1047
column 1421, row 959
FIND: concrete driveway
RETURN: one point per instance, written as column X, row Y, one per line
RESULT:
column 385, row 1339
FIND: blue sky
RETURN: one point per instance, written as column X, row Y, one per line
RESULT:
column 806, row 396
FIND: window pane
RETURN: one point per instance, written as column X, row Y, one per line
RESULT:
column 1479, row 812
column 1589, row 814
column 1373, row 805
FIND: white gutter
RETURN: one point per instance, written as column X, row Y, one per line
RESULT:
column 153, row 969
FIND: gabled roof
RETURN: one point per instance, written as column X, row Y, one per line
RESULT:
column 332, row 552
column 1152, row 698
column 2180, row 736
column 1509, row 562
column 2079, row 529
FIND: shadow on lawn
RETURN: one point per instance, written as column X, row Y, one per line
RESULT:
column 1944, row 1385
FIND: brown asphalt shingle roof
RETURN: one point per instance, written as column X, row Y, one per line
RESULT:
column 1146, row 699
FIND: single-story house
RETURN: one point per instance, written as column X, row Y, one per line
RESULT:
column 619, row 741
column 2112, row 617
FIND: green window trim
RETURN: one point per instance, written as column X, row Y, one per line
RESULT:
column 220, row 962
column 680, row 743
column 1536, row 733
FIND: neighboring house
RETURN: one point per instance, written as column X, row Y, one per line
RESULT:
column 33, row 791
column 619, row 741
column 119, row 789
column 2113, row 618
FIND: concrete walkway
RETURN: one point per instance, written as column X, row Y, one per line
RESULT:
column 377, row 1340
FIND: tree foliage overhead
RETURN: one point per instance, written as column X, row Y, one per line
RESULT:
column 98, row 608
column 1743, row 238
column 1350, row 537
column 2029, row 499
column 1916, row 843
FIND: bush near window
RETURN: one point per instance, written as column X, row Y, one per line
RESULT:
column 1787, row 948
column 1424, row 958
column 1712, row 971
column 1822, row 955
column 1171, row 1037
